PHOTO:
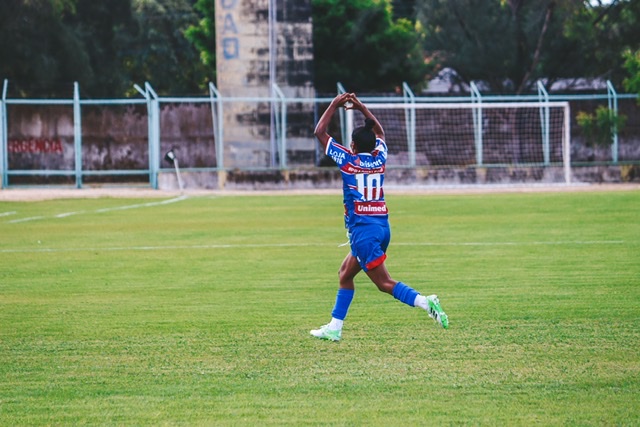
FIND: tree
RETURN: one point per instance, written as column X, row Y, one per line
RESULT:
column 632, row 65
column 104, row 32
column 600, row 126
column 161, row 51
column 41, row 56
column 510, row 44
column 600, row 34
column 46, row 45
column 404, row 9
column 203, row 34
column 357, row 43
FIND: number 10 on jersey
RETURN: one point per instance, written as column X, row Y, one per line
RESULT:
column 369, row 185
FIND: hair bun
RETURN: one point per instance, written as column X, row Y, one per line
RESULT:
column 369, row 123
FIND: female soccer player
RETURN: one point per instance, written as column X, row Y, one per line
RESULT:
column 362, row 166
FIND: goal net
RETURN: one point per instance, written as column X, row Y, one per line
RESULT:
column 533, row 136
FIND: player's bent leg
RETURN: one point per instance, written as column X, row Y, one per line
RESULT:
column 406, row 294
column 382, row 279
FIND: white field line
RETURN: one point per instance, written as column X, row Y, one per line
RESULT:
column 103, row 210
column 143, row 205
column 30, row 218
column 8, row 213
column 300, row 245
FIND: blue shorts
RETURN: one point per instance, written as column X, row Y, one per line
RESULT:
column 369, row 244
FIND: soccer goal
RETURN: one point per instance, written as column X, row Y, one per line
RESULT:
column 534, row 135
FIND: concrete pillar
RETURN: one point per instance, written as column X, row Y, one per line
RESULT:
column 247, row 62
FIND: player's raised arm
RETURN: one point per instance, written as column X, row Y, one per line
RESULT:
column 323, row 124
column 358, row 105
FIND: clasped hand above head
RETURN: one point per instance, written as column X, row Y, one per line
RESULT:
column 349, row 101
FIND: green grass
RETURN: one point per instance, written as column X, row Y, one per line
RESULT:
column 198, row 312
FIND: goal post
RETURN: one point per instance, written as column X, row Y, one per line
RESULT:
column 476, row 134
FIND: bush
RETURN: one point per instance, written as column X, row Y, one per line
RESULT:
column 599, row 128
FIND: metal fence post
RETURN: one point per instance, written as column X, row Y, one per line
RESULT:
column 154, row 141
column 218, row 124
column 543, row 97
column 153, row 137
column 282, row 122
column 77, row 134
column 612, row 100
column 3, row 137
column 566, row 145
column 410, row 122
column 476, row 98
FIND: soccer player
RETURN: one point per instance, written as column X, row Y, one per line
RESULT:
column 362, row 166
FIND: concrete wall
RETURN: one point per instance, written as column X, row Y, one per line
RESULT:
column 115, row 137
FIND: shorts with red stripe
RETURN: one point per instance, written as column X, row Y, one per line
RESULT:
column 369, row 244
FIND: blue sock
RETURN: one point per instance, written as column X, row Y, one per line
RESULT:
column 405, row 294
column 343, row 301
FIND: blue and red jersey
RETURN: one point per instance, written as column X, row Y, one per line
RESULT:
column 362, row 183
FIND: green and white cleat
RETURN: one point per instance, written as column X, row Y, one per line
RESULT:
column 325, row 333
column 436, row 312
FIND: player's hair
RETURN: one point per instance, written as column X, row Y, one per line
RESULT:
column 364, row 138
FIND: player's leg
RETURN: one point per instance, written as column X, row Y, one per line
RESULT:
column 369, row 245
column 348, row 271
column 382, row 279
column 371, row 251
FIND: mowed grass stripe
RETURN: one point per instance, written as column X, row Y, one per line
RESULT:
column 302, row 245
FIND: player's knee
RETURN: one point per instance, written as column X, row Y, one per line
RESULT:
column 386, row 286
column 343, row 275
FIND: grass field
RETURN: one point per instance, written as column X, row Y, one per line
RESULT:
column 197, row 311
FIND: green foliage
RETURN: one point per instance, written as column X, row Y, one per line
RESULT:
column 46, row 45
column 197, row 313
column 357, row 43
column 161, row 51
column 104, row 32
column 600, row 127
column 474, row 38
column 203, row 34
column 510, row 45
column 598, row 36
column 39, row 53
column 632, row 65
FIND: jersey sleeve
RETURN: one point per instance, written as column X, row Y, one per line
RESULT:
column 337, row 152
column 381, row 148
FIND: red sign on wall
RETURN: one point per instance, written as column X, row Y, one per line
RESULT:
column 35, row 145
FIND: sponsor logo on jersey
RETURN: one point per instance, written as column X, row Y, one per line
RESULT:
column 337, row 156
column 366, row 164
column 371, row 208
column 352, row 169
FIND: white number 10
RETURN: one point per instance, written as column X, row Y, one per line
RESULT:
column 369, row 185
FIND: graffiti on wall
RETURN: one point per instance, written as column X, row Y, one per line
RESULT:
column 230, row 41
column 35, row 146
